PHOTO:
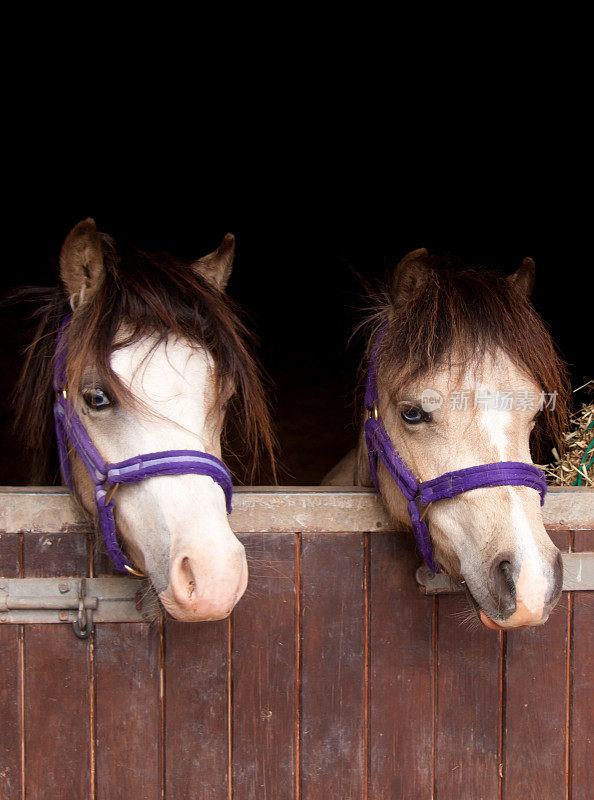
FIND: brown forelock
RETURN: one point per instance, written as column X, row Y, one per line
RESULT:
column 154, row 293
column 456, row 316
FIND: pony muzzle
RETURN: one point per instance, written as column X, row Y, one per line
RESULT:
column 522, row 596
column 205, row 586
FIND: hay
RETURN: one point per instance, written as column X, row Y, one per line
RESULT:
column 576, row 466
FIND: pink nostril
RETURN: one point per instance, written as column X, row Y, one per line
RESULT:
column 183, row 581
column 203, row 588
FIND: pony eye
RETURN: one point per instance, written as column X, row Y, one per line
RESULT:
column 413, row 415
column 96, row 398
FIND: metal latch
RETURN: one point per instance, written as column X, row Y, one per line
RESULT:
column 578, row 576
column 80, row 601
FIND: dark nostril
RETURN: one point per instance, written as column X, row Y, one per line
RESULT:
column 557, row 579
column 503, row 587
column 505, row 568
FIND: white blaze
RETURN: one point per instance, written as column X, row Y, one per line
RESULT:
column 178, row 524
column 531, row 586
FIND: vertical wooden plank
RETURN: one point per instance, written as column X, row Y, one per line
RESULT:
column 332, row 727
column 196, row 709
column 56, row 681
column 467, row 712
column 400, row 673
column 10, row 682
column 536, row 705
column 128, row 703
column 128, row 711
column 581, row 751
column 264, row 672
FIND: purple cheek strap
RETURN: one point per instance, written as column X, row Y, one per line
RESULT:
column 420, row 495
column 107, row 477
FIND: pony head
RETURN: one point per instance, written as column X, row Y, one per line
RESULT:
column 468, row 375
column 156, row 358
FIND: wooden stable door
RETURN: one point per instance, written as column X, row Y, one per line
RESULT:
column 334, row 679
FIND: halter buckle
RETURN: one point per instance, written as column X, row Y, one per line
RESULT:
column 373, row 412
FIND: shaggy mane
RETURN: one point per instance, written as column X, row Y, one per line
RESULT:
column 458, row 315
column 148, row 293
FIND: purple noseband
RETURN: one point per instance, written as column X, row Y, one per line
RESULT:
column 420, row 495
column 69, row 428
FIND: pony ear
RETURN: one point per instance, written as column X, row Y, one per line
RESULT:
column 523, row 279
column 81, row 262
column 216, row 266
column 409, row 275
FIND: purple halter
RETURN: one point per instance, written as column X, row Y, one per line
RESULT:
column 420, row 495
column 69, row 428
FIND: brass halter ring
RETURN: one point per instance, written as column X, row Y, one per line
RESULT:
column 127, row 567
column 373, row 412
column 136, row 572
column 110, row 494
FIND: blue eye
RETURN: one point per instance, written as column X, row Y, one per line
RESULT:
column 96, row 398
column 413, row 415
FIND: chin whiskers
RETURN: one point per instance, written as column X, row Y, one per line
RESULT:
column 466, row 617
column 264, row 569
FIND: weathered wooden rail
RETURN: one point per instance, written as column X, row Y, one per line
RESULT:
column 334, row 678
column 278, row 509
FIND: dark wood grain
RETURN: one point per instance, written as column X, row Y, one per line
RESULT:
column 536, row 705
column 467, row 713
column 196, row 710
column 353, row 662
column 400, row 673
column 56, row 677
column 10, row 680
column 128, row 704
column 264, row 672
column 332, row 729
column 581, row 749
column 128, row 717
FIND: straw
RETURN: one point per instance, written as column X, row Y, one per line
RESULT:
column 574, row 468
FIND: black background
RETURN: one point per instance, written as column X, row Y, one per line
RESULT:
column 310, row 211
